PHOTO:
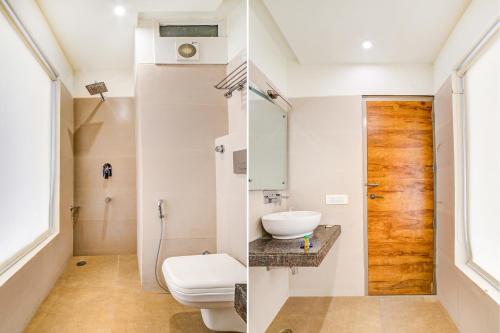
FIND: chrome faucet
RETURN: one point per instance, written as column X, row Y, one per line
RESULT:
column 273, row 197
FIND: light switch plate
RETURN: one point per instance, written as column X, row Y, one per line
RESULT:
column 337, row 199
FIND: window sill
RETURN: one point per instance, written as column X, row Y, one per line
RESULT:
column 12, row 271
column 479, row 281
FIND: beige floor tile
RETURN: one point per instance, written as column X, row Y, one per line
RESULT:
column 413, row 314
column 302, row 314
column 105, row 296
column 36, row 322
column 353, row 315
column 100, row 271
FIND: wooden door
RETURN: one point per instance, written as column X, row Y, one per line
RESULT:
column 401, row 206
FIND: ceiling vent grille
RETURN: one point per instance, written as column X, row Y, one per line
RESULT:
column 203, row 43
column 189, row 31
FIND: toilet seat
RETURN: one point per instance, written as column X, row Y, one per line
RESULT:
column 203, row 278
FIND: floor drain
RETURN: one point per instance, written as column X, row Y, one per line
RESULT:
column 81, row 263
column 286, row 330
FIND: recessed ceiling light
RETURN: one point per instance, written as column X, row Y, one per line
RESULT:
column 367, row 44
column 119, row 10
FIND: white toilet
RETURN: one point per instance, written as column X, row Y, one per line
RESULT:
column 207, row 282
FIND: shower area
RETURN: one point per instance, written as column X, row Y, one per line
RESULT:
column 104, row 210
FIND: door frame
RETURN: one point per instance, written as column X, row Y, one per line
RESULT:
column 364, row 99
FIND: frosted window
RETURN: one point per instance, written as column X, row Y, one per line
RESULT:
column 25, row 147
column 482, row 97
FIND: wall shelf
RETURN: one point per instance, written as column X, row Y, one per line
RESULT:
column 267, row 251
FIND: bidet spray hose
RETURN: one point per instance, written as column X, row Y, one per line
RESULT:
column 161, row 216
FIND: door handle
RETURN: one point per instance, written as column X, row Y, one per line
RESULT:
column 375, row 196
column 372, row 184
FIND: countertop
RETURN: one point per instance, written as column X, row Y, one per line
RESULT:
column 240, row 300
column 267, row 251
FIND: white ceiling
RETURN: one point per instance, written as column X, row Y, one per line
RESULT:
column 94, row 38
column 331, row 31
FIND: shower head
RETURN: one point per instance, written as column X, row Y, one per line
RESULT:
column 97, row 88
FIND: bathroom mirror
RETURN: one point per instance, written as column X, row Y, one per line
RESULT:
column 267, row 143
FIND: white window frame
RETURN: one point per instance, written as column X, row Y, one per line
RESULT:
column 464, row 257
column 8, row 268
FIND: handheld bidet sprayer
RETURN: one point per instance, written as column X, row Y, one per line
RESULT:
column 160, row 209
column 161, row 216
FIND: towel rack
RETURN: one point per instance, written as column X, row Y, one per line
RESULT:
column 235, row 80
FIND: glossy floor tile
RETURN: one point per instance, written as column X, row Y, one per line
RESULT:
column 105, row 296
column 413, row 314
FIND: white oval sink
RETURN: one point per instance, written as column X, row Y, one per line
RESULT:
column 293, row 224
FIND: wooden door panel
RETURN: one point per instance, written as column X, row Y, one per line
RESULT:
column 407, row 165
column 400, row 268
column 390, row 229
column 400, row 138
column 400, row 225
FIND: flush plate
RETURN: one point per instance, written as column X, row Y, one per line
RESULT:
column 240, row 161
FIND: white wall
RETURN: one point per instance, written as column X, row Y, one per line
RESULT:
column 477, row 18
column 236, row 31
column 264, row 46
column 144, row 43
column 342, row 80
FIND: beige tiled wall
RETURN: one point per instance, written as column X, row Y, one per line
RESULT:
column 326, row 157
column 445, row 217
column 105, row 133
column 179, row 116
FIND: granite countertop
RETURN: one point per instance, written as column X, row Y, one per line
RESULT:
column 240, row 300
column 267, row 251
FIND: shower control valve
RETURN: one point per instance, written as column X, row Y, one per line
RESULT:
column 107, row 170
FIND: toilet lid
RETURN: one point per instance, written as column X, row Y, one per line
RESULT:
column 203, row 273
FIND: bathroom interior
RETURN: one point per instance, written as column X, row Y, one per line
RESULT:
column 336, row 160
column 365, row 120
column 131, row 114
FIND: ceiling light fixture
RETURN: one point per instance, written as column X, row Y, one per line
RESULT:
column 367, row 44
column 119, row 10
